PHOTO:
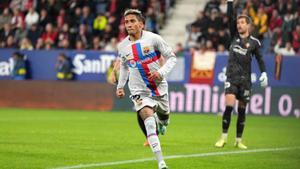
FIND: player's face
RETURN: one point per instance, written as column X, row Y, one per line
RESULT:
column 242, row 25
column 133, row 25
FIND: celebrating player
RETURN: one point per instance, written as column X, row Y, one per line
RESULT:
column 238, row 84
column 139, row 53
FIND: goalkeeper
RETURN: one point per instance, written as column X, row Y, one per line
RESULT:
column 238, row 83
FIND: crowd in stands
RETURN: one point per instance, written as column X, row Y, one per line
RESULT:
column 275, row 22
column 73, row 24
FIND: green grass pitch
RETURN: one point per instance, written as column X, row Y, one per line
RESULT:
column 33, row 139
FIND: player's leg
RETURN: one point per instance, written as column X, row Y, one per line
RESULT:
column 146, row 114
column 230, row 97
column 143, row 128
column 240, row 124
column 244, row 97
column 229, row 101
column 162, row 114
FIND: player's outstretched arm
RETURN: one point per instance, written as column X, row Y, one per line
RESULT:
column 232, row 18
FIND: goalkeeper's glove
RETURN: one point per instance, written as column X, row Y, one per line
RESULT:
column 263, row 79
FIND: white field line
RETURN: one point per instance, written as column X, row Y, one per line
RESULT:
column 103, row 164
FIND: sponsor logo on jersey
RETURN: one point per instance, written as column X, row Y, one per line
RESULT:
column 239, row 49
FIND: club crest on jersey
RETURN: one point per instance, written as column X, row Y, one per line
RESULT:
column 146, row 49
column 247, row 45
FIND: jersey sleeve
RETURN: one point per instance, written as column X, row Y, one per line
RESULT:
column 166, row 52
column 124, row 71
column 259, row 57
column 232, row 19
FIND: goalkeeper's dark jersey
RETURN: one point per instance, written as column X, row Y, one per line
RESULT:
column 241, row 52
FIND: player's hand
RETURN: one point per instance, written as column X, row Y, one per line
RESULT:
column 263, row 79
column 120, row 93
column 155, row 76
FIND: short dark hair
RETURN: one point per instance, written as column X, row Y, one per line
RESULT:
column 135, row 12
column 247, row 18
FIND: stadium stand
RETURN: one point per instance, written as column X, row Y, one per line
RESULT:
column 73, row 24
column 275, row 23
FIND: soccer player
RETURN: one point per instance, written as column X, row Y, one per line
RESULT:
column 139, row 54
column 238, row 83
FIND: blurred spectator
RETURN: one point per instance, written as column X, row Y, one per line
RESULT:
column 61, row 18
column 179, row 50
column 151, row 22
column 102, row 5
column 87, row 18
column 75, row 20
column 222, row 49
column 287, row 50
column 215, row 21
column 63, row 68
column 112, row 73
column 108, row 34
column 99, row 24
column 287, row 27
column 50, row 35
column 5, row 18
column 44, row 18
column 79, row 45
column 20, row 34
column 281, row 7
column 33, row 34
column 122, row 32
column 53, row 7
column 112, row 45
column 10, row 42
column 260, row 19
column 40, row 44
column 223, row 6
column 223, row 39
column 275, row 21
column 25, row 44
column 63, row 36
column 212, row 4
column 5, row 32
column 296, row 38
column 31, row 18
column 17, row 21
column 209, row 46
column 84, row 36
column 19, row 69
column 201, row 22
column 23, row 5
column 193, row 36
column 97, row 43
column 212, row 36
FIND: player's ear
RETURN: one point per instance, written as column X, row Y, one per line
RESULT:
column 141, row 25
